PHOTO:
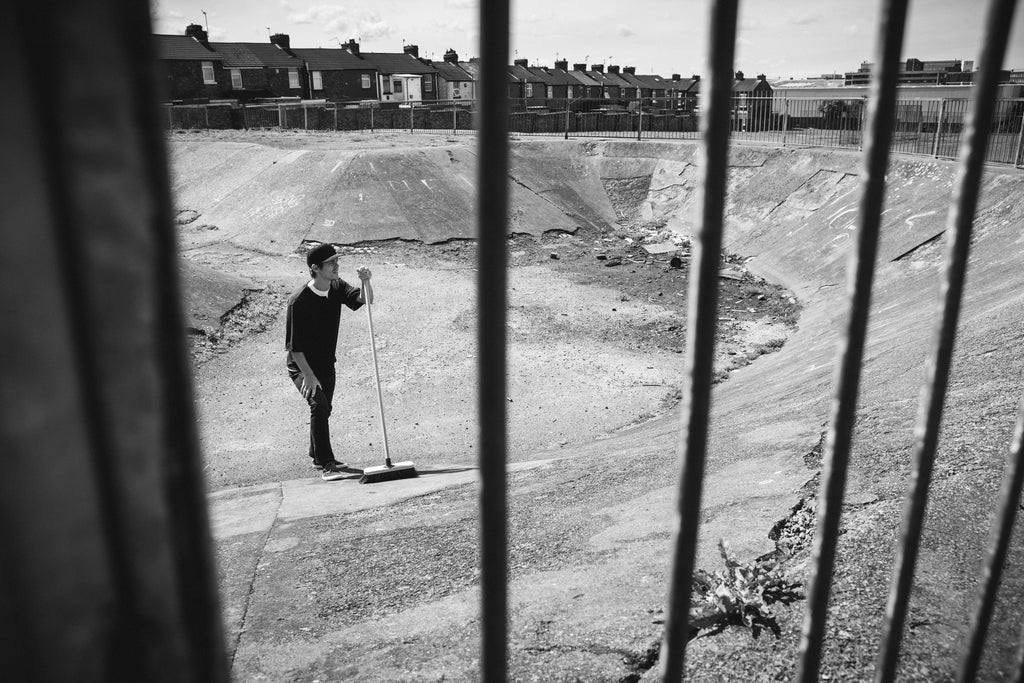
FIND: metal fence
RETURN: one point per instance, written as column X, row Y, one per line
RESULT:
column 932, row 127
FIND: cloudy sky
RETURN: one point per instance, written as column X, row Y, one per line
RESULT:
column 779, row 38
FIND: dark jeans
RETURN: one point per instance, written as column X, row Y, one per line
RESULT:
column 319, row 413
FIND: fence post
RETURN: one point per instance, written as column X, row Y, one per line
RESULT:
column 206, row 115
column 785, row 118
column 938, row 128
column 335, row 118
column 412, row 122
column 567, row 118
column 280, row 116
column 640, row 123
column 170, row 118
column 920, row 126
column 371, row 118
column 305, row 118
column 1018, row 160
column 455, row 119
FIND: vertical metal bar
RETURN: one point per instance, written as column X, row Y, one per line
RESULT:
column 785, row 119
column 1009, row 502
column 305, row 118
column 640, row 124
column 933, row 393
column 492, row 217
column 882, row 104
column 1018, row 159
column 567, row 100
column 700, row 344
column 938, row 128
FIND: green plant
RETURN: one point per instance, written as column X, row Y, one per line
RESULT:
column 741, row 594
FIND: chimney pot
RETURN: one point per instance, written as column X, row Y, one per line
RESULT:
column 451, row 56
column 613, row 69
column 352, row 46
column 739, row 75
column 629, row 70
column 522, row 62
column 562, row 64
column 695, row 77
column 677, row 77
column 597, row 67
column 281, row 40
column 413, row 50
column 762, row 77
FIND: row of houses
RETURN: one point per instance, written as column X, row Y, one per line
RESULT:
column 199, row 70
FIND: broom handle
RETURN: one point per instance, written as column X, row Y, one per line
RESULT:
column 376, row 375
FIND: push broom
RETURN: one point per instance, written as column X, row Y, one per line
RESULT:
column 388, row 471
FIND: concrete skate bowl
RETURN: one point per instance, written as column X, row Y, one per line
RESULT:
column 792, row 213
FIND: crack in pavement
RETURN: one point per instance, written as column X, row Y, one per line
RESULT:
column 252, row 579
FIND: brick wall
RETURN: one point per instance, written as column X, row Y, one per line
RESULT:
column 183, row 80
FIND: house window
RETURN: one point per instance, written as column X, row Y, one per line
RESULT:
column 208, row 77
column 236, row 79
column 386, row 86
column 318, row 81
column 428, row 84
column 397, row 86
column 293, row 79
column 572, row 91
column 529, row 89
column 551, row 93
column 366, row 81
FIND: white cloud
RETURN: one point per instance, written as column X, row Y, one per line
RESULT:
column 807, row 19
column 624, row 31
column 449, row 24
column 318, row 14
column 370, row 26
column 462, row 3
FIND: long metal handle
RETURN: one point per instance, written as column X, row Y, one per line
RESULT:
column 376, row 376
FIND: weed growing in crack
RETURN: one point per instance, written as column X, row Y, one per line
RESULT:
column 741, row 594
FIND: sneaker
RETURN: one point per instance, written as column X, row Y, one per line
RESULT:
column 331, row 474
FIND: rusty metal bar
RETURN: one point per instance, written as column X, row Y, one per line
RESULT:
column 492, row 217
column 881, row 114
column 1009, row 502
column 933, row 394
column 700, row 342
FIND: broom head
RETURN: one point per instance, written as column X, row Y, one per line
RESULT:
column 399, row 470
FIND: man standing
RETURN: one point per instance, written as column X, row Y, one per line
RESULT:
column 311, row 338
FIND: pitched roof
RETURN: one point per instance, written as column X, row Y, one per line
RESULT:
column 748, row 85
column 473, row 69
column 582, row 77
column 653, row 81
column 183, row 48
column 633, row 81
column 525, row 75
column 241, row 55
column 682, row 85
column 559, row 76
column 332, row 59
column 452, row 72
column 616, row 79
column 397, row 63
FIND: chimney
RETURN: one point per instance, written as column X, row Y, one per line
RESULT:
column 413, row 50
column 613, row 69
column 677, row 77
column 352, row 46
column 598, row 68
column 451, row 56
column 196, row 31
column 739, row 75
column 562, row 64
column 762, row 77
column 579, row 67
column 281, row 40
column 522, row 62
column 631, row 70
column 695, row 77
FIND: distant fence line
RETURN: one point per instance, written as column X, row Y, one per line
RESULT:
column 931, row 127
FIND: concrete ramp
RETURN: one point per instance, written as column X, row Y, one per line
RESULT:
column 272, row 200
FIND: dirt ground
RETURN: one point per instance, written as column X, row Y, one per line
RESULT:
column 596, row 332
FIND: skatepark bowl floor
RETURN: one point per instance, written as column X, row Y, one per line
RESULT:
column 340, row 581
